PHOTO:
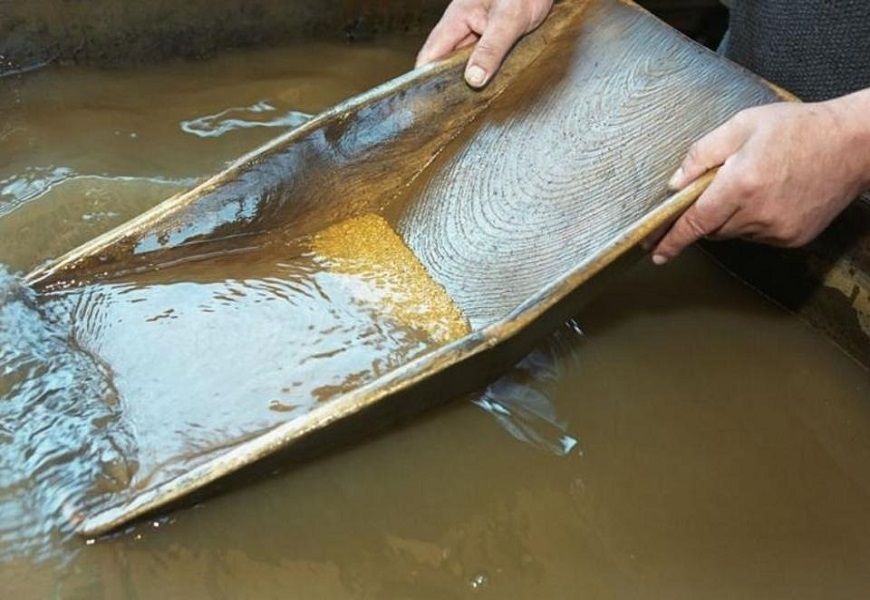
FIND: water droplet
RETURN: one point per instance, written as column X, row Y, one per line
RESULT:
column 478, row 581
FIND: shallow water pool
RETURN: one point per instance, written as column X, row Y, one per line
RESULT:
column 681, row 438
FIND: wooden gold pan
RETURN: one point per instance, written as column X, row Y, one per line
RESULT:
column 512, row 198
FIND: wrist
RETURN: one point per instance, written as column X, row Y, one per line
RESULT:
column 852, row 117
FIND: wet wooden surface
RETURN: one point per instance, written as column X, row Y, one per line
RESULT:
column 512, row 198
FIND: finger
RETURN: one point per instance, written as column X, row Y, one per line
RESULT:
column 652, row 240
column 501, row 33
column 450, row 32
column 470, row 39
column 711, row 212
column 740, row 225
column 711, row 151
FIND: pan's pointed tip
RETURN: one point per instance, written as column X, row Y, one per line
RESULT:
column 84, row 531
column 90, row 527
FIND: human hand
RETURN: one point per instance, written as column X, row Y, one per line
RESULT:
column 493, row 25
column 787, row 171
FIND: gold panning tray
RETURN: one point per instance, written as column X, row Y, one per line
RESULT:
column 510, row 198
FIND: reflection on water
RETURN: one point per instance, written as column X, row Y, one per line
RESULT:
column 726, row 453
column 725, row 446
column 32, row 182
column 521, row 401
column 60, row 439
column 207, row 354
column 77, row 141
column 260, row 114
column 84, row 150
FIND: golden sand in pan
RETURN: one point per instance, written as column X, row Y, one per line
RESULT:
column 368, row 246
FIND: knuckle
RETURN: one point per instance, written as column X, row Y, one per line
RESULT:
column 787, row 235
column 514, row 11
column 505, row 16
column 765, row 220
column 694, row 226
column 742, row 118
column 513, row 16
column 539, row 12
column 695, row 155
column 477, row 14
column 748, row 116
column 485, row 50
column 748, row 181
column 794, row 238
column 475, row 19
column 455, row 10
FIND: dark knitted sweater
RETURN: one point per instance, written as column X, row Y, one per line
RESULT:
column 817, row 49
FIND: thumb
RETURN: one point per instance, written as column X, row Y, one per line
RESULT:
column 712, row 150
column 501, row 33
column 449, row 34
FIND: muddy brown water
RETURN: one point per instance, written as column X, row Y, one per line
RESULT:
column 681, row 438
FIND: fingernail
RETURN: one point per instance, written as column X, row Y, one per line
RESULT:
column 676, row 179
column 659, row 259
column 475, row 76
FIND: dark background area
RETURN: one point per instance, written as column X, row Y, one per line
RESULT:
column 122, row 32
column 703, row 20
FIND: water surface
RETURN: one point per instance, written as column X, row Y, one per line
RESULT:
column 692, row 441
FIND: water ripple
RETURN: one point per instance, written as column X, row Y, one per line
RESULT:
column 260, row 114
column 31, row 183
column 59, row 442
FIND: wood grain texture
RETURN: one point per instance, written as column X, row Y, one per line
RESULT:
column 526, row 195
column 353, row 159
column 516, row 199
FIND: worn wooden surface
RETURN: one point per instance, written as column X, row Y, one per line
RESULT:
column 514, row 198
column 525, row 195
column 356, row 158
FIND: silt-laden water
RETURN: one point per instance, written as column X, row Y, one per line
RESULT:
column 693, row 441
